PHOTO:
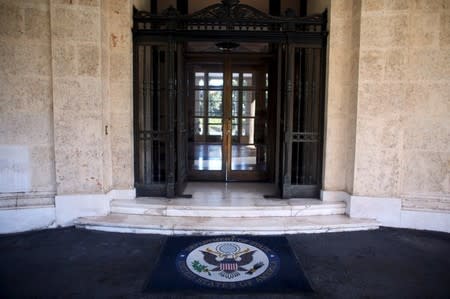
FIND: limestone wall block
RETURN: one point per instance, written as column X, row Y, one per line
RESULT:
column 341, row 7
column 427, row 134
column 81, row 131
column 428, row 64
column 121, row 128
column 372, row 65
column 121, row 96
column 381, row 133
column 444, row 32
column 350, row 169
column 74, row 23
column 88, row 60
column 37, row 24
column 121, row 40
column 372, row 5
column 89, row 2
column 340, row 99
column 340, row 32
column 375, row 31
column 338, row 65
column 377, row 171
column 11, row 20
column 26, row 128
column 7, row 63
column 336, row 165
column 33, row 59
column 427, row 99
column 338, row 127
column 75, row 98
column 426, row 172
column 120, row 66
column 397, row 64
column 380, row 100
column 64, row 57
column 43, row 168
column 397, row 4
column 26, row 94
column 424, row 29
column 122, row 166
column 398, row 30
column 79, row 170
column 430, row 5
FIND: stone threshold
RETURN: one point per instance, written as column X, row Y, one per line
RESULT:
column 164, row 225
column 242, row 207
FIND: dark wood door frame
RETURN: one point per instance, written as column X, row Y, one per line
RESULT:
column 229, row 63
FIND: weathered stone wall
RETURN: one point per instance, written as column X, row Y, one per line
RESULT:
column 91, row 42
column 120, row 80
column 77, row 96
column 341, row 97
column 26, row 117
column 403, row 116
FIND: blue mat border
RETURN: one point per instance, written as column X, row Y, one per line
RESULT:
column 290, row 278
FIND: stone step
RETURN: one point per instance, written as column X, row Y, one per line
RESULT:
column 223, row 226
column 240, row 207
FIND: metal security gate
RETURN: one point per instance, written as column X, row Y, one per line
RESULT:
column 298, row 46
column 303, row 114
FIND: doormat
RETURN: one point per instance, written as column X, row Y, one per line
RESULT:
column 232, row 264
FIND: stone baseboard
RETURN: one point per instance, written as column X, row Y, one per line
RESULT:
column 71, row 207
column 14, row 220
column 389, row 212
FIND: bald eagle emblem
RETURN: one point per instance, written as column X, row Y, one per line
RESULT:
column 229, row 260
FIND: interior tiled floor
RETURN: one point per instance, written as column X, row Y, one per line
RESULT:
column 229, row 191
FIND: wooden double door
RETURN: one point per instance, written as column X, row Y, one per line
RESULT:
column 229, row 131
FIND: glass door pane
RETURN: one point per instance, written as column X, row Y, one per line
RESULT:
column 249, row 121
column 205, row 140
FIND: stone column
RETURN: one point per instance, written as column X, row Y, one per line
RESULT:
column 80, row 110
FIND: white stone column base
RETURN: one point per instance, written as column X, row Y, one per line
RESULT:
column 388, row 211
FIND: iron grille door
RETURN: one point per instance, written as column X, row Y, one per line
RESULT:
column 151, row 118
column 304, row 109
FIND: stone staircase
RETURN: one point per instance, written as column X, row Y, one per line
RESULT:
column 220, row 216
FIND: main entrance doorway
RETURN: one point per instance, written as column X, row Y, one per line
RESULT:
column 228, row 137
column 206, row 112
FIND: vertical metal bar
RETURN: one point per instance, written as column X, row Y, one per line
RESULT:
column 288, row 121
column 148, row 111
column 136, row 98
column 307, row 116
column 170, row 153
column 143, row 129
column 323, row 54
column 181, row 144
column 157, row 111
column 299, row 66
column 310, row 113
column 313, row 160
column 278, row 116
column 226, row 116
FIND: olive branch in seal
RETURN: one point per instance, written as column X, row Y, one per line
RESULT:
column 200, row 268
